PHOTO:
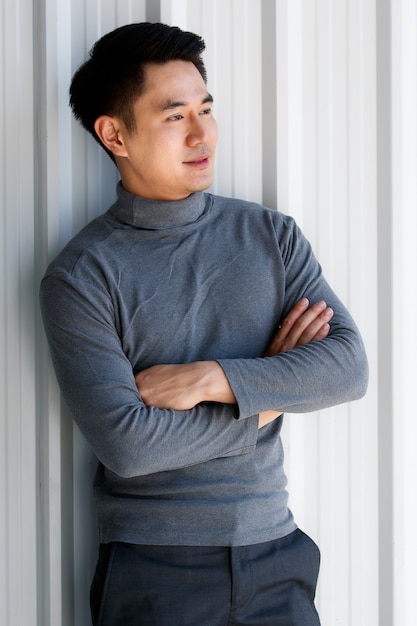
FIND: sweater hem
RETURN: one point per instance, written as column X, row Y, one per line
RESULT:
column 123, row 536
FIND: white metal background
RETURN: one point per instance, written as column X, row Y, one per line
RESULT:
column 316, row 102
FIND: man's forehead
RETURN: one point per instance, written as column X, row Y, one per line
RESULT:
column 174, row 82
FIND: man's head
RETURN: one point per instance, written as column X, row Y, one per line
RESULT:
column 142, row 94
column 113, row 77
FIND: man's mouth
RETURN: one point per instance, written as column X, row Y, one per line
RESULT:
column 198, row 161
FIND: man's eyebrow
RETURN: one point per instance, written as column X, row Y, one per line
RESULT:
column 175, row 104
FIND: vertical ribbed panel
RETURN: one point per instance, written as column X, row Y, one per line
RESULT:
column 18, row 481
column 316, row 103
column 384, row 365
column 404, row 299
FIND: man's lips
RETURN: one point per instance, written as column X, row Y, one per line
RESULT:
column 200, row 160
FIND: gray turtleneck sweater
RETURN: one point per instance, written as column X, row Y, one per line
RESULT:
column 206, row 278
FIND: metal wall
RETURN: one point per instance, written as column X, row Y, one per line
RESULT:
column 316, row 102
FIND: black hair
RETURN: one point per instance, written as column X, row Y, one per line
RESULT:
column 113, row 77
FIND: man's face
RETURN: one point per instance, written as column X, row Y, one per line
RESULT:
column 170, row 153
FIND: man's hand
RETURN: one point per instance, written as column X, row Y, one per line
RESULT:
column 301, row 326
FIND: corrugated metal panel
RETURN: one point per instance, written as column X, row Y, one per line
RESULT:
column 18, row 484
column 404, row 300
column 316, row 105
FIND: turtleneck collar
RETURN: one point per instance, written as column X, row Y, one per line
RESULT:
column 156, row 214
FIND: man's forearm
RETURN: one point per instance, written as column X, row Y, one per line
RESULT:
column 183, row 386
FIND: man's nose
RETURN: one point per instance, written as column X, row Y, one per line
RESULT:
column 198, row 131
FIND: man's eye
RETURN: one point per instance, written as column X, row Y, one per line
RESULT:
column 206, row 112
column 175, row 118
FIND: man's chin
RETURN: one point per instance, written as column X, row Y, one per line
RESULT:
column 202, row 185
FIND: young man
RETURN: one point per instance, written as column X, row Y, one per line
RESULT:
column 180, row 329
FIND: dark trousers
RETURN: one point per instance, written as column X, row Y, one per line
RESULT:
column 270, row 583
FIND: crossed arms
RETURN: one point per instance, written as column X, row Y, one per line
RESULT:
column 182, row 386
column 171, row 416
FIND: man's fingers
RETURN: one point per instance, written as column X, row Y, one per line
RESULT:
column 322, row 333
column 295, row 314
column 312, row 323
column 301, row 326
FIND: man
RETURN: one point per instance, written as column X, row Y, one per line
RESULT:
column 180, row 330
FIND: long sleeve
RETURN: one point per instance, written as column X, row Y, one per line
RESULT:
column 97, row 382
column 314, row 376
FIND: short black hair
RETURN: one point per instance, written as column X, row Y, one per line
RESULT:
column 113, row 77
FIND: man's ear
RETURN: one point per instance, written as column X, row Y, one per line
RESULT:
column 108, row 129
